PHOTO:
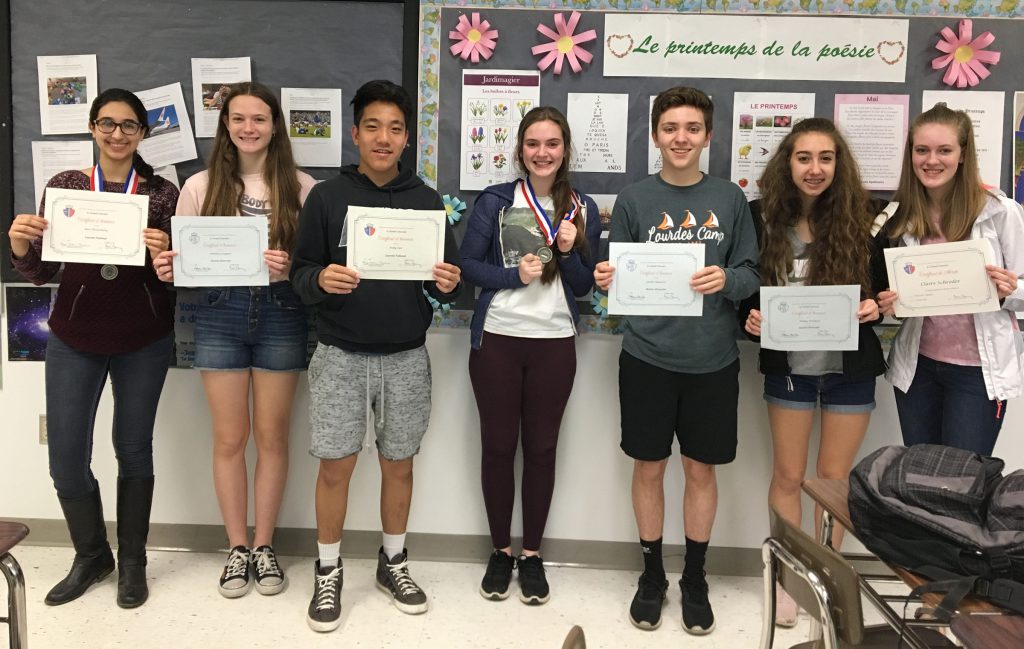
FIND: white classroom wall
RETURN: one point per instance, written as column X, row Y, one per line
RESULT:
column 591, row 501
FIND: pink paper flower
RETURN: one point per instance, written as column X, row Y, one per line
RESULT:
column 473, row 38
column 963, row 56
column 564, row 44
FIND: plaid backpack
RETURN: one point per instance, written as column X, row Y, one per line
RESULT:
column 947, row 514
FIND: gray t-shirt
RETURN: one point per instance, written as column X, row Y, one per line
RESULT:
column 713, row 212
column 814, row 363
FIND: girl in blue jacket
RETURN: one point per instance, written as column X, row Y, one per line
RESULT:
column 531, row 248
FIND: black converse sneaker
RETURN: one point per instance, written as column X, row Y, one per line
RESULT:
column 698, row 618
column 269, row 576
column 234, row 579
column 533, row 586
column 324, row 612
column 393, row 578
column 498, row 576
column 645, row 610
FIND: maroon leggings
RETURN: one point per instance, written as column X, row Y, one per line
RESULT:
column 520, row 384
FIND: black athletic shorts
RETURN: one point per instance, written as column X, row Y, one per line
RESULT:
column 697, row 409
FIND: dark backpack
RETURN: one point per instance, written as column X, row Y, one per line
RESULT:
column 947, row 514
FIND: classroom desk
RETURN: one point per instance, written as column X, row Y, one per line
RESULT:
column 983, row 625
column 989, row 631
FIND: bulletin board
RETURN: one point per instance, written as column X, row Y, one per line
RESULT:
column 517, row 23
column 142, row 45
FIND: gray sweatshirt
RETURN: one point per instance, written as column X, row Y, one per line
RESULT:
column 713, row 212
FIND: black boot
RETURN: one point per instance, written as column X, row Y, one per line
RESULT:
column 93, row 559
column 134, row 501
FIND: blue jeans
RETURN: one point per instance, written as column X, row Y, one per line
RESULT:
column 74, row 383
column 948, row 404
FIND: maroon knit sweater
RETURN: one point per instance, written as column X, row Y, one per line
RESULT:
column 102, row 316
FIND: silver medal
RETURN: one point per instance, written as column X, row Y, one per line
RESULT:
column 545, row 254
column 108, row 271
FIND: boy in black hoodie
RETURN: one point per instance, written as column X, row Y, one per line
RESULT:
column 371, row 351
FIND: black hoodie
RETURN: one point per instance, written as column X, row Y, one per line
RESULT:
column 379, row 316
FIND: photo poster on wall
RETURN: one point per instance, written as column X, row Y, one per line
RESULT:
column 169, row 140
column 985, row 108
column 314, row 125
column 67, row 86
column 493, row 104
column 760, row 121
column 211, row 84
column 875, row 126
column 28, row 309
column 1018, row 146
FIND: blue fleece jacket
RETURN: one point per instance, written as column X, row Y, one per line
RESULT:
column 482, row 263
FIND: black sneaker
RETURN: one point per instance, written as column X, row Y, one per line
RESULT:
column 393, row 578
column 495, row 584
column 234, row 579
column 324, row 612
column 533, row 586
column 698, row 618
column 269, row 576
column 645, row 610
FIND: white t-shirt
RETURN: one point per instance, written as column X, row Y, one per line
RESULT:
column 537, row 310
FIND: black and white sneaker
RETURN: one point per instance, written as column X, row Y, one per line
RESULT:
column 269, row 576
column 393, row 578
column 234, row 579
column 324, row 612
column 533, row 585
column 645, row 609
column 495, row 584
column 698, row 618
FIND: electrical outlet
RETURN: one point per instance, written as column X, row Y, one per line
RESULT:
column 42, row 429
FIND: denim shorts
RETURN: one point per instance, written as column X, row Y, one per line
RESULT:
column 258, row 327
column 838, row 394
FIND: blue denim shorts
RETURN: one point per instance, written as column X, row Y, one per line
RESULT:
column 258, row 327
column 838, row 394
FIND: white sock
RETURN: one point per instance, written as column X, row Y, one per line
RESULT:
column 393, row 544
column 330, row 554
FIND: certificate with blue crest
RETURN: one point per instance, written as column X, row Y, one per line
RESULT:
column 942, row 278
column 220, row 250
column 95, row 227
column 387, row 243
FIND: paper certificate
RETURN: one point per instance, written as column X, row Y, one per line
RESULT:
column 941, row 279
column 654, row 279
column 809, row 318
column 95, row 227
column 219, row 250
column 385, row 243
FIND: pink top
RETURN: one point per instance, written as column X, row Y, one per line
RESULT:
column 949, row 338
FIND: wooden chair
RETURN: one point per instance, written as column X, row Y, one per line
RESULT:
column 10, row 535
column 575, row 639
column 825, row 585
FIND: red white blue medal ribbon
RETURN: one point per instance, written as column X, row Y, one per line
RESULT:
column 543, row 221
column 131, row 184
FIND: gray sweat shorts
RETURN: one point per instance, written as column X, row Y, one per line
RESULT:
column 345, row 386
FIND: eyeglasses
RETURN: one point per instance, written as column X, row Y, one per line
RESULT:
column 107, row 125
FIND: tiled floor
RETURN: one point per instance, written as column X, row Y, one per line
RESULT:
column 186, row 611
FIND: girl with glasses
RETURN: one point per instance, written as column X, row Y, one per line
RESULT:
column 250, row 340
column 108, row 321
